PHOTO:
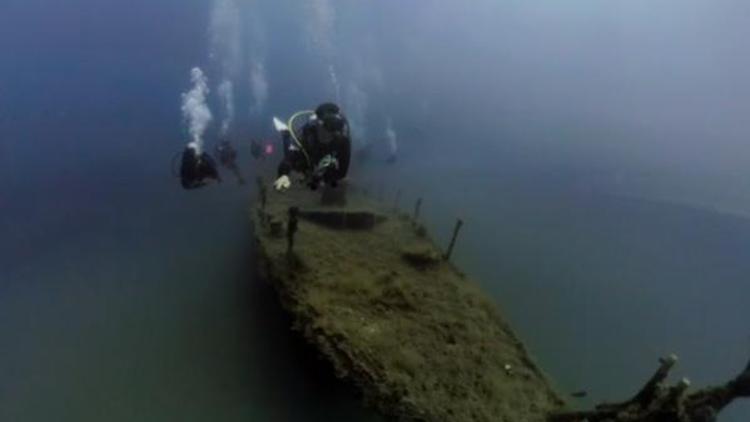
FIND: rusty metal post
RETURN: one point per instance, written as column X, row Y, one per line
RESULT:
column 456, row 229
column 291, row 229
column 417, row 208
column 262, row 191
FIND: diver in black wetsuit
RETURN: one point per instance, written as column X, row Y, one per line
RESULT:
column 228, row 158
column 197, row 170
column 226, row 153
column 323, row 151
column 256, row 150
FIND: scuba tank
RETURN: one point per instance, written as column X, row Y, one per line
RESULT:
column 197, row 170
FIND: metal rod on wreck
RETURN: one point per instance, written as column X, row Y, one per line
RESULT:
column 262, row 191
column 456, row 229
column 417, row 208
column 398, row 199
column 291, row 229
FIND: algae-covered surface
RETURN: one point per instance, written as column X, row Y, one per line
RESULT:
column 418, row 339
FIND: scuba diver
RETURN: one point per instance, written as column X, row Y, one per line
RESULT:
column 197, row 170
column 256, row 150
column 228, row 158
column 321, row 153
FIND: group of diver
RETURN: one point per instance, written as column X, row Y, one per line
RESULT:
column 320, row 150
column 198, row 169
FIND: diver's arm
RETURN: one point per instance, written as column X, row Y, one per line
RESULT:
column 285, row 166
column 283, row 182
column 343, row 151
column 287, row 163
column 286, row 141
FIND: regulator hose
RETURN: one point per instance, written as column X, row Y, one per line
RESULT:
column 290, row 125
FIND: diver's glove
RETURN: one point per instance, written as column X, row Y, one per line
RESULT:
column 282, row 183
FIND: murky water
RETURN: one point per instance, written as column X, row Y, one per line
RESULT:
column 599, row 287
column 147, row 309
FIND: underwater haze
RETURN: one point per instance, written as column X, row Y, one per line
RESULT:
column 597, row 151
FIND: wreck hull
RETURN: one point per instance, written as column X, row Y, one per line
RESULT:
column 368, row 288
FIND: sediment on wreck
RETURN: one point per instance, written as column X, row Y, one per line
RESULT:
column 369, row 289
column 376, row 297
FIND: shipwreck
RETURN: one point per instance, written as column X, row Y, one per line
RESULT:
column 379, row 300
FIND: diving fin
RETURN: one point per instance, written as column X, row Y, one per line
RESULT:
column 279, row 125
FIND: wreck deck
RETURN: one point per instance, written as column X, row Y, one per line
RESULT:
column 369, row 289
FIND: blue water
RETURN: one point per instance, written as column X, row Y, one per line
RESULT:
column 599, row 286
column 146, row 307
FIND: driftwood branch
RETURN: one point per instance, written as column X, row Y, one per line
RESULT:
column 657, row 402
